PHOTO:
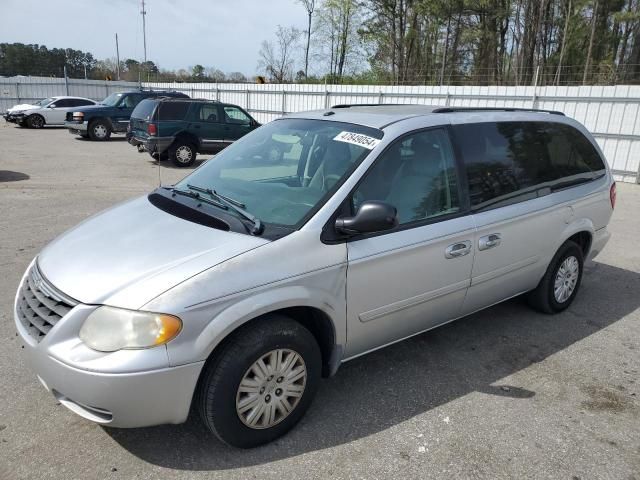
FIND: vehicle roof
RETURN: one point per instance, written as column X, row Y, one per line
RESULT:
column 383, row 115
column 70, row 96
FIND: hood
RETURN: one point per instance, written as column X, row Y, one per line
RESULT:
column 130, row 254
column 89, row 108
column 22, row 106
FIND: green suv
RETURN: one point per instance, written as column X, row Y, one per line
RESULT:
column 179, row 129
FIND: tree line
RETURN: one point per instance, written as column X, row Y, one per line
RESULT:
column 38, row 60
column 414, row 42
column 485, row 42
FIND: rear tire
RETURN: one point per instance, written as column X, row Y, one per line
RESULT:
column 249, row 392
column 183, row 153
column 99, row 130
column 559, row 286
column 35, row 121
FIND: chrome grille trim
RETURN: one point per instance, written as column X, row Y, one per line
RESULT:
column 41, row 305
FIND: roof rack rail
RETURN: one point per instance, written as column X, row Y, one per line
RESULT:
column 493, row 109
column 349, row 105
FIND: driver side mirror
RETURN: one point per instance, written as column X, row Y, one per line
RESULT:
column 372, row 216
column 52, row 105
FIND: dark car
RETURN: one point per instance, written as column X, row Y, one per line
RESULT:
column 112, row 115
column 179, row 129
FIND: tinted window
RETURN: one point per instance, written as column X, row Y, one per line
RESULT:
column 506, row 157
column 144, row 110
column 416, row 175
column 208, row 113
column 172, row 110
column 63, row 103
column 571, row 152
column 83, row 102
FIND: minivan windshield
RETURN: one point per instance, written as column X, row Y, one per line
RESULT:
column 282, row 171
column 112, row 100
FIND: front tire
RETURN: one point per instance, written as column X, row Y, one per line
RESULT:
column 260, row 384
column 99, row 130
column 559, row 286
column 35, row 121
column 183, row 153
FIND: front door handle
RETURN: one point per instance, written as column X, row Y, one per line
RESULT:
column 489, row 241
column 458, row 249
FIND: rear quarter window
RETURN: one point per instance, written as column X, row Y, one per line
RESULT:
column 172, row 110
column 505, row 158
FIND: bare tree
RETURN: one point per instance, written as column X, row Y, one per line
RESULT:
column 276, row 59
column 309, row 6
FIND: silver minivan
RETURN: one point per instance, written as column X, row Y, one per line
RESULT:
column 315, row 239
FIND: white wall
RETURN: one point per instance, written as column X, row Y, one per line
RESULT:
column 609, row 112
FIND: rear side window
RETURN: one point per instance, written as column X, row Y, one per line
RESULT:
column 172, row 110
column 571, row 152
column 208, row 113
column 503, row 159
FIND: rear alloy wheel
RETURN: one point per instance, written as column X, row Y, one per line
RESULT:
column 260, row 383
column 99, row 130
column 35, row 121
column 183, row 154
column 559, row 286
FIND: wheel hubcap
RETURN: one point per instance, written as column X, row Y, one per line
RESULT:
column 37, row 122
column 100, row 131
column 566, row 279
column 271, row 388
column 184, row 154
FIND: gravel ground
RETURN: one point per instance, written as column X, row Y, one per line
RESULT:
column 504, row 393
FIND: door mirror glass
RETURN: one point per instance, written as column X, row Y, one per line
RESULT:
column 372, row 216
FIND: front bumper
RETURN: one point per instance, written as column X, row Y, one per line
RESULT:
column 76, row 128
column 14, row 118
column 128, row 388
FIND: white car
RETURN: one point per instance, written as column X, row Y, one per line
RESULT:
column 50, row 111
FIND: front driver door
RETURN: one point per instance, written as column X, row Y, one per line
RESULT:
column 415, row 276
column 124, row 110
column 237, row 123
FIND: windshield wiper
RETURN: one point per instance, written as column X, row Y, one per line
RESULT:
column 197, row 196
column 235, row 205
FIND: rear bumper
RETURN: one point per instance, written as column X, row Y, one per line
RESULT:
column 152, row 145
column 600, row 239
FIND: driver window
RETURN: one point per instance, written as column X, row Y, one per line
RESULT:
column 416, row 175
column 235, row 115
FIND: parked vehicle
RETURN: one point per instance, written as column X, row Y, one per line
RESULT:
column 111, row 115
column 180, row 129
column 229, row 290
column 49, row 111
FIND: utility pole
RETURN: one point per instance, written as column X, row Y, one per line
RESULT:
column 117, row 59
column 144, row 31
column 144, row 35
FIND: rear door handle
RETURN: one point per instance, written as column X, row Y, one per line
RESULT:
column 458, row 249
column 489, row 241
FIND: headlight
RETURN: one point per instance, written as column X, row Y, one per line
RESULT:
column 108, row 329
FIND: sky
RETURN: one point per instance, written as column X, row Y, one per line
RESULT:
column 215, row 33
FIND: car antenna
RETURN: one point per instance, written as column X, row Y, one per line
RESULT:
column 158, row 146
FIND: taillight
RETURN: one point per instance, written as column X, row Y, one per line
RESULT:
column 78, row 116
column 152, row 129
column 612, row 195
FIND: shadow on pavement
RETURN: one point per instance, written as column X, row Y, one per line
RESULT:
column 10, row 176
column 392, row 385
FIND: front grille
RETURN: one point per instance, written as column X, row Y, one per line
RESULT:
column 40, row 305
